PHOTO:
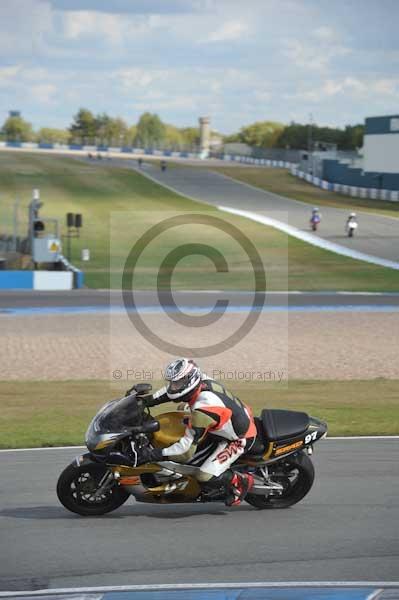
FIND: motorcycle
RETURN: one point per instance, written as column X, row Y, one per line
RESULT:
column 314, row 222
column 351, row 228
column 101, row 480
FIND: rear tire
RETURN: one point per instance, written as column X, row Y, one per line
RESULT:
column 76, row 486
column 295, row 489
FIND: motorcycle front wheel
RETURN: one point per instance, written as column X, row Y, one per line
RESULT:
column 295, row 474
column 77, row 487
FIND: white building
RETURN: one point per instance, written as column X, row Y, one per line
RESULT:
column 381, row 144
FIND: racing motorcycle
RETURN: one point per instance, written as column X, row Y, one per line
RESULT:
column 101, row 480
column 314, row 222
column 351, row 228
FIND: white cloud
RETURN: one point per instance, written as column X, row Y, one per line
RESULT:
column 317, row 54
column 387, row 87
column 87, row 23
column 349, row 88
column 229, row 31
column 324, row 33
column 9, row 73
column 23, row 26
column 115, row 29
column 135, row 77
column 43, row 93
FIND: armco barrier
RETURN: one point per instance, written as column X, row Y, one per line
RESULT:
column 41, row 280
column 16, row 280
column 348, row 190
column 149, row 151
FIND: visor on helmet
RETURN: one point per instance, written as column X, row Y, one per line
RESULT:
column 180, row 385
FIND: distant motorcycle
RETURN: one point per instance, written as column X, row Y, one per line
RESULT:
column 314, row 222
column 351, row 225
column 315, row 219
column 101, row 480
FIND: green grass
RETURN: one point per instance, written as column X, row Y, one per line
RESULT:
column 280, row 181
column 57, row 413
column 98, row 190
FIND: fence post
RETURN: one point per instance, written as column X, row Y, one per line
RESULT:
column 15, row 224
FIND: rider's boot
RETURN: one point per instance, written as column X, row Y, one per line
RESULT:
column 240, row 485
column 236, row 486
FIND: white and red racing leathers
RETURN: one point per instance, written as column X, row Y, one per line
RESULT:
column 220, row 428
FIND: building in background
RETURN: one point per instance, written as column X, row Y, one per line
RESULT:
column 381, row 144
column 378, row 165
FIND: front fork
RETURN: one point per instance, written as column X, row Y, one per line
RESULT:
column 106, row 482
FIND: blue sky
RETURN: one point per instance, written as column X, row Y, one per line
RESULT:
column 233, row 60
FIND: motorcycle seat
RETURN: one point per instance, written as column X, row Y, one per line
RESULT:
column 258, row 447
column 282, row 424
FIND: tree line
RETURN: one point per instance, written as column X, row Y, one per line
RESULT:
column 151, row 132
column 271, row 134
column 89, row 129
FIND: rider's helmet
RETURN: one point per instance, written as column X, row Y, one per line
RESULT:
column 315, row 210
column 353, row 215
column 184, row 379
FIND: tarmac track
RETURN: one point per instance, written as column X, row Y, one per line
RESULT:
column 346, row 529
column 105, row 298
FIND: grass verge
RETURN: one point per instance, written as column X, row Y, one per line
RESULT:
column 280, row 181
column 57, row 413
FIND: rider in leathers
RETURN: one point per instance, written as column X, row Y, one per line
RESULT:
column 219, row 429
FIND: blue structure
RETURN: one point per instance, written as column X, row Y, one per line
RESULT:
column 335, row 171
column 268, row 591
column 380, row 125
column 16, row 280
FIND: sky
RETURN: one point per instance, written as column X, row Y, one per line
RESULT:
column 233, row 60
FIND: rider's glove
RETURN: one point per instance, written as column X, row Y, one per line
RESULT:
column 148, row 455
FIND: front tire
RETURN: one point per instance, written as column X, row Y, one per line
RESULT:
column 76, row 487
column 296, row 474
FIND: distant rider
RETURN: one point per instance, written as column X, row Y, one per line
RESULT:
column 315, row 218
column 351, row 219
column 219, row 429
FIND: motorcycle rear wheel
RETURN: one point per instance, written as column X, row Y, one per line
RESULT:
column 76, row 487
column 300, row 468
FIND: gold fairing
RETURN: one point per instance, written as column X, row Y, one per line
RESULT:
column 103, row 444
column 188, row 489
column 171, row 428
column 131, row 471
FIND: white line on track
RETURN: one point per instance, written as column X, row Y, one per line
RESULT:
column 375, row 595
column 336, row 438
column 205, row 586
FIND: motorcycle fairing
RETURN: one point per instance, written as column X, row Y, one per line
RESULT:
column 172, row 427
